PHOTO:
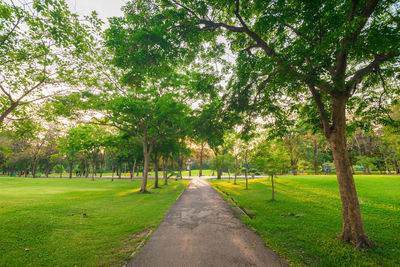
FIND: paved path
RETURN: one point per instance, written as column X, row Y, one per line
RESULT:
column 201, row 230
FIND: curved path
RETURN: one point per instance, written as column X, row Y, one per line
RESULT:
column 201, row 230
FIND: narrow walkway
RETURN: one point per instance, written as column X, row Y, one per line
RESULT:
column 201, row 230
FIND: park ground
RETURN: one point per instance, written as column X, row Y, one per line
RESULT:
column 43, row 221
column 309, row 239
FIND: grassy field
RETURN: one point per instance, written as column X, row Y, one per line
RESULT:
column 42, row 221
column 310, row 240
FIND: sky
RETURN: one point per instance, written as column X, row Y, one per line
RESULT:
column 105, row 8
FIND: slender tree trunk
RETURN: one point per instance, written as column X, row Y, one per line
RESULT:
column 61, row 172
column 93, row 167
column 236, row 169
column 155, row 171
column 272, row 187
column 125, row 168
column 70, row 169
column 353, row 226
column 101, row 168
column 180, row 164
column 137, row 170
column 316, row 171
column 112, row 169
column 119, row 170
column 165, row 174
column 201, row 160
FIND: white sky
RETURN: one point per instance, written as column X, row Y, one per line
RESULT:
column 105, row 8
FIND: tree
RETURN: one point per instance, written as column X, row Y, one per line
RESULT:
column 330, row 57
column 42, row 44
column 147, row 119
column 272, row 158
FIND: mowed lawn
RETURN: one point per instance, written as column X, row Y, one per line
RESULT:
column 42, row 221
column 310, row 240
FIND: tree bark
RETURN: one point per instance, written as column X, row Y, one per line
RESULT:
column 143, row 188
column 93, row 167
column 353, row 226
column 47, row 167
column 34, row 167
column 155, row 171
column 236, row 169
column 165, row 174
column 70, row 168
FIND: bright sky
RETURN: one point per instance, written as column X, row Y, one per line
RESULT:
column 105, row 8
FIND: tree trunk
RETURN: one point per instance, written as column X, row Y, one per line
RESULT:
column 201, row 160
column 112, row 169
column 229, row 175
column 93, row 167
column 272, row 187
column 34, row 167
column 101, row 168
column 236, row 169
column 316, row 171
column 165, row 174
column 47, row 167
column 219, row 173
column 70, row 169
column 119, row 170
column 61, row 172
column 353, row 226
column 155, row 171
column 146, row 155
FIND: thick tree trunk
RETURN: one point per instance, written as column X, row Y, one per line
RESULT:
column 47, row 167
column 201, row 160
column 155, row 171
column 34, row 167
column 316, row 171
column 219, row 173
column 272, row 187
column 353, row 226
column 70, row 169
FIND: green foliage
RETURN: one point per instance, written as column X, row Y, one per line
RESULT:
column 42, row 45
column 271, row 157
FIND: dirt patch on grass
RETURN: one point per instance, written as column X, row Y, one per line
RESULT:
column 135, row 242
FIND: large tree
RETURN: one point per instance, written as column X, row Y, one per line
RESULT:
column 147, row 119
column 328, row 56
column 43, row 47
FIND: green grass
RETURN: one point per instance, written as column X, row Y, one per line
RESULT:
column 310, row 240
column 35, row 215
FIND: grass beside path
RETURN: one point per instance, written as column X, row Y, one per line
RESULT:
column 42, row 221
column 310, row 240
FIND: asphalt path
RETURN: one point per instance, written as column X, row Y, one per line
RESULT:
column 201, row 230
